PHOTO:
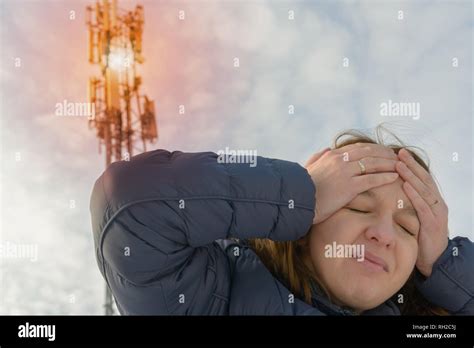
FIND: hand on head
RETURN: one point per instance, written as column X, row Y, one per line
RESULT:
column 341, row 174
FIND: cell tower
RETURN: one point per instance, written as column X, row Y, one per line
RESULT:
column 123, row 118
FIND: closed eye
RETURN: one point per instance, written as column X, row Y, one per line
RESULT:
column 358, row 211
column 407, row 231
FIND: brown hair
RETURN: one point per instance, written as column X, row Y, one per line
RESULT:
column 287, row 259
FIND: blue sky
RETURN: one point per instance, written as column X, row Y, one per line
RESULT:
column 282, row 62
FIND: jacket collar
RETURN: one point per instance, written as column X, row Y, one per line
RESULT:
column 321, row 301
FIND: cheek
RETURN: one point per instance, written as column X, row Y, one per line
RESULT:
column 406, row 255
column 340, row 228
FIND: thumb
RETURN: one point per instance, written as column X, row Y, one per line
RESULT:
column 316, row 156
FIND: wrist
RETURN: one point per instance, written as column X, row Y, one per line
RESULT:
column 425, row 270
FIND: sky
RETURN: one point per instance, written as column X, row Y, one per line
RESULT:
column 49, row 163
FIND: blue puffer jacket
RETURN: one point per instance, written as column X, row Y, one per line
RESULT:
column 162, row 224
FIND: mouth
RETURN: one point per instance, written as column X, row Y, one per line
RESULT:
column 374, row 263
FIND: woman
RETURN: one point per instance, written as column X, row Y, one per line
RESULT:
column 182, row 233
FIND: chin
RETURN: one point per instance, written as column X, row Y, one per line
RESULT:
column 363, row 294
column 362, row 303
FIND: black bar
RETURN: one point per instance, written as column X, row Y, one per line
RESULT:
column 250, row 329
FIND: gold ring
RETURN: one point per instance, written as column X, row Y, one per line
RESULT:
column 362, row 167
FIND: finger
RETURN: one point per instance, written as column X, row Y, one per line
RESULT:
column 366, row 182
column 418, row 170
column 423, row 190
column 423, row 210
column 349, row 147
column 373, row 165
column 316, row 156
column 355, row 152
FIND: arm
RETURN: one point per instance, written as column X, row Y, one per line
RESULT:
column 444, row 273
column 155, row 219
column 451, row 283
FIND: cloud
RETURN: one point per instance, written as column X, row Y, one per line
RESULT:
column 282, row 62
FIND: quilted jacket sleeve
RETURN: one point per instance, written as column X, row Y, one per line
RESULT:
column 451, row 284
column 156, row 218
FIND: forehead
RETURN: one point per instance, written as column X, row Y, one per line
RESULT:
column 389, row 194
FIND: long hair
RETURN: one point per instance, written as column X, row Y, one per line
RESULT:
column 287, row 259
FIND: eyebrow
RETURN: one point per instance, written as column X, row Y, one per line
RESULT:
column 408, row 209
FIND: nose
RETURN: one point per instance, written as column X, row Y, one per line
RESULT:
column 382, row 232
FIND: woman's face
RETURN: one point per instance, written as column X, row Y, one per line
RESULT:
column 382, row 223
